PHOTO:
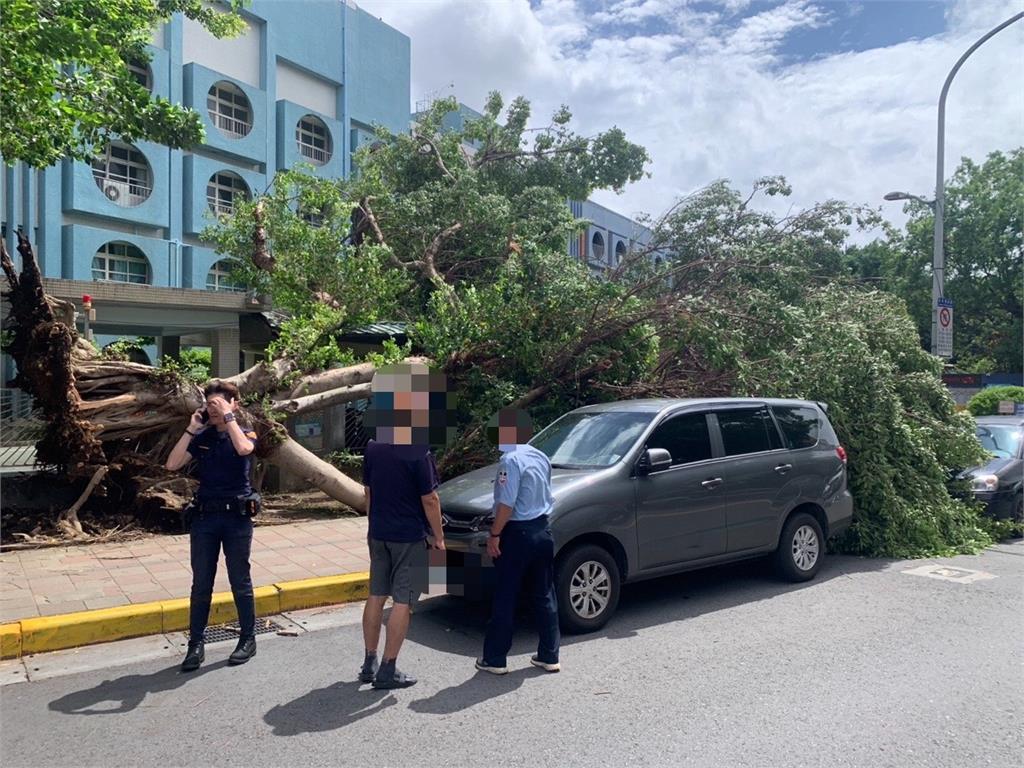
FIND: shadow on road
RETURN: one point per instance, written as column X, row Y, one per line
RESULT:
column 451, row 621
column 477, row 689
column 325, row 709
column 130, row 691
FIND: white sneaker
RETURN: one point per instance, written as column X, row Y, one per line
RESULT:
column 556, row 667
column 493, row 670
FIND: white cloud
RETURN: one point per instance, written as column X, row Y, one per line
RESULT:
column 708, row 98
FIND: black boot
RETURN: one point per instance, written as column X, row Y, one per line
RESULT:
column 389, row 677
column 244, row 651
column 370, row 667
column 194, row 657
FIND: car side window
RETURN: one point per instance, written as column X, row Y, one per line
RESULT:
column 799, row 424
column 748, row 430
column 686, row 437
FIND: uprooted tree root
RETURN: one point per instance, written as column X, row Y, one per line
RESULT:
column 110, row 424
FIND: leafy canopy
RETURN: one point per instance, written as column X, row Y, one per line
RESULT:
column 984, row 252
column 470, row 249
column 67, row 89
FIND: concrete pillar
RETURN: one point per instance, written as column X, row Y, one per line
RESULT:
column 168, row 346
column 226, row 350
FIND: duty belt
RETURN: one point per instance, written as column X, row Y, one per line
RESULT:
column 220, row 505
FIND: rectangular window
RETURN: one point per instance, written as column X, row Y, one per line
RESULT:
column 685, row 437
column 799, row 424
column 748, row 430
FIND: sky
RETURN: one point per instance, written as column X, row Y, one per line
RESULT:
column 840, row 97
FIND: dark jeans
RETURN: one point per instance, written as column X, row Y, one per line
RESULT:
column 211, row 530
column 527, row 560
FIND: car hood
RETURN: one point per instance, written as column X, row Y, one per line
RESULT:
column 472, row 494
column 996, row 466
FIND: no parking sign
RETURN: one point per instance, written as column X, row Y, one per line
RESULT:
column 944, row 339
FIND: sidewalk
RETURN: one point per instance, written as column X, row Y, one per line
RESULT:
column 59, row 580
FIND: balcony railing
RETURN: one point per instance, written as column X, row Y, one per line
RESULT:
column 123, row 192
column 234, row 128
column 220, row 207
column 317, row 155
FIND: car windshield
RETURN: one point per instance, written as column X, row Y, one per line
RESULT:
column 1000, row 440
column 591, row 440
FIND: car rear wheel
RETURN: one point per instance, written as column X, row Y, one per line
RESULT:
column 588, row 584
column 801, row 548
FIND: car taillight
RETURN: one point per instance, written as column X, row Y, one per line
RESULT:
column 841, row 453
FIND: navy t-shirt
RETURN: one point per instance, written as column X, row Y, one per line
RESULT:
column 223, row 474
column 398, row 475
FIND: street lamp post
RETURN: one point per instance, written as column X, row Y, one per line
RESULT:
column 938, row 205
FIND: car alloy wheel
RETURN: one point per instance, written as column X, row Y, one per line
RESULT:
column 590, row 589
column 805, row 547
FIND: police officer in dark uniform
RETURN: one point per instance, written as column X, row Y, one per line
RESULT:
column 221, row 515
column 521, row 546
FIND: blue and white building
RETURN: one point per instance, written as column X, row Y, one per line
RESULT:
column 306, row 82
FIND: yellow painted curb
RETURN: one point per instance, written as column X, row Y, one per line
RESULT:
column 309, row 593
column 10, row 640
column 69, row 630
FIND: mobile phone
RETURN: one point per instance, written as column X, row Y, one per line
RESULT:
column 204, row 416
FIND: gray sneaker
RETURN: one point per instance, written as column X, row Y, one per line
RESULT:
column 483, row 666
column 546, row 665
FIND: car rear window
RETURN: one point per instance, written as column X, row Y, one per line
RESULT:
column 685, row 437
column 799, row 424
column 748, row 430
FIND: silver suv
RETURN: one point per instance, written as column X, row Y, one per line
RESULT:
column 645, row 488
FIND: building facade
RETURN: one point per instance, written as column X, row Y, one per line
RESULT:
column 306, row 82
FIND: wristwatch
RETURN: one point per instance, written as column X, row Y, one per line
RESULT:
column 229, row 417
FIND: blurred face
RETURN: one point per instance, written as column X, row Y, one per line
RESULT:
column 404, row 411
column 217, row 405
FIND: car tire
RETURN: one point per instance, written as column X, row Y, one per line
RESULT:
column 801, row 548
column 587, row 581
column 1017, row 515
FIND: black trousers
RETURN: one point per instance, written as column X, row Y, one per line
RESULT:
column 210, row 531
column 527, row 562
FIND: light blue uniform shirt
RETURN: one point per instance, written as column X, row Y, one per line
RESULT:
column 524, row 482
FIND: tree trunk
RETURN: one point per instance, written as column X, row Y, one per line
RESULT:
column 292, row 457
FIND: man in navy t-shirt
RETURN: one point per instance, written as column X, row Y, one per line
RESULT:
column 400, row 479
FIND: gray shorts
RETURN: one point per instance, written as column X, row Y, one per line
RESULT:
column 398, row 570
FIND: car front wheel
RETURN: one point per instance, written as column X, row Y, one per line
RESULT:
column 801, row 548
column 588, row 586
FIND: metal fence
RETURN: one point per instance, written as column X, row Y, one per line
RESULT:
column 20, row 429
column 19, row 423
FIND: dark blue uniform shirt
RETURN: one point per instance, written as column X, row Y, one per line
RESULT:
column 222, row 473
column 398, row 475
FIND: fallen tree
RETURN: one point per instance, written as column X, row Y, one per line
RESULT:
column 469, row 251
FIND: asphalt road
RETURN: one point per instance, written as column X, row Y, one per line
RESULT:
column 866, row 666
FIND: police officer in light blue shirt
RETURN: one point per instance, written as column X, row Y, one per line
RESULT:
column 521, row 545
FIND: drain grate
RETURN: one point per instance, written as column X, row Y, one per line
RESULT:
column 231, row 631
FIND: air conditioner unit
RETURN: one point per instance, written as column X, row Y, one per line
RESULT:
column 112, row 192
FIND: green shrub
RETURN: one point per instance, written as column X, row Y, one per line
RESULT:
column 986, row 402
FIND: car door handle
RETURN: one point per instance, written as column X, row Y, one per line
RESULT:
column 783, row 468
column 714, row 482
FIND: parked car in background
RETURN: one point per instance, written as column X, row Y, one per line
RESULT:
column 999, row 484
column 646, row 488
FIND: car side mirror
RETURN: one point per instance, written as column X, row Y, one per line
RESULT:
column 654, row 460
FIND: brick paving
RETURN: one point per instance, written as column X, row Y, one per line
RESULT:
column 44, row 582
